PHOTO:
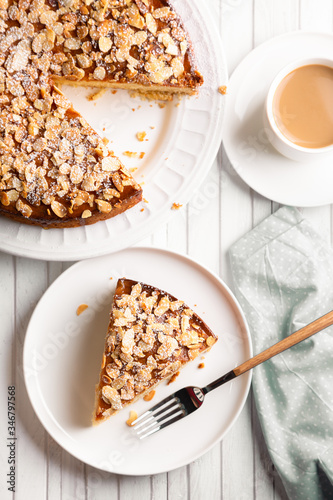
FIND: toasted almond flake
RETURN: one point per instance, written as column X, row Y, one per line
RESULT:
column 177, row 67
column 134, row 17
column 132, row 416
column 162, row 306
column 86, row 214
column 193, row 353
column 149, row 396
column 81, row 308
column 13, row 195
column 210, row 341
column 58, row 208
column 105, row 43
column 183, row 47
column 162, row 12
column 4, row 199
column 168, row 346
column 103, row 206
column 151, row 24
column 48, row 18
column 110, row 164
column 136, row 290
column 22, row 207
column 76, row 174
column 72, row 43
column 106, row 379
column 222, row 89
column 99, row 73
column 139, row 37
column 111, row 396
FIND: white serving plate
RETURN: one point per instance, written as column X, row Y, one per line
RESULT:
column 178, row 153
column 63, row 352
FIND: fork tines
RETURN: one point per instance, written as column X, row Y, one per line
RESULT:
column 159, row 416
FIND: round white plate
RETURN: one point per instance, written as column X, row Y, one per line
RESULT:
column 63, row 352
column 245, row 137
column 182, row 142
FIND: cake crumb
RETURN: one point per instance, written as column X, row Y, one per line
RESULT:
column 96, row 95
column 152, row 127
column 140, row 136
column 222, row 89
column 173, row 378
column 201, row 365
column 161, row 105
column 142, row 210
column 113, row 92
column 142, row 155
column 130, row 154
column 105, row 141
column 146, row 201
column 132, row 416
column 134, row 169
column 149, row 396
column 176, row 206
column 81, row 308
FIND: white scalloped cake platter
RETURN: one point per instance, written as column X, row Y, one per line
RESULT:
column 181, row 143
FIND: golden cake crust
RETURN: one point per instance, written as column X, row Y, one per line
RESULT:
column 151, row 336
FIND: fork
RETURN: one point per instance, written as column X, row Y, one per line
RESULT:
column 185, row 401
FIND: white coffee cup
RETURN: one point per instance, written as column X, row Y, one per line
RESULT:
column 276, row 137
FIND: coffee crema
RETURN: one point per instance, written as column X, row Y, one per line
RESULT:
column 303, row 106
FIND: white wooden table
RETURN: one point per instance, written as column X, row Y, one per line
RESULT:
column 222, row 210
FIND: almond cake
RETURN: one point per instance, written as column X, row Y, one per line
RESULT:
column 151, row 336
column 55, row 171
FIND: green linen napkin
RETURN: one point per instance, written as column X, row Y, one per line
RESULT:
column 283, row 279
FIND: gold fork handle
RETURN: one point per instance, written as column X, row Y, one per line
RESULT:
column 293, row 339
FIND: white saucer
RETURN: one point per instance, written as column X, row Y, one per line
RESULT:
column 245, row 138
column 62, row 356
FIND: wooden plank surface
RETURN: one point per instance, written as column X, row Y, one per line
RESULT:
column 220, row 211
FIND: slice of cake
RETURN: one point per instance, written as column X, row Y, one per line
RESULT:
column 139, row 45
column 151, row 336
column 55, row 170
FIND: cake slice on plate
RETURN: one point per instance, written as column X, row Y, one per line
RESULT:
column 151, row 336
